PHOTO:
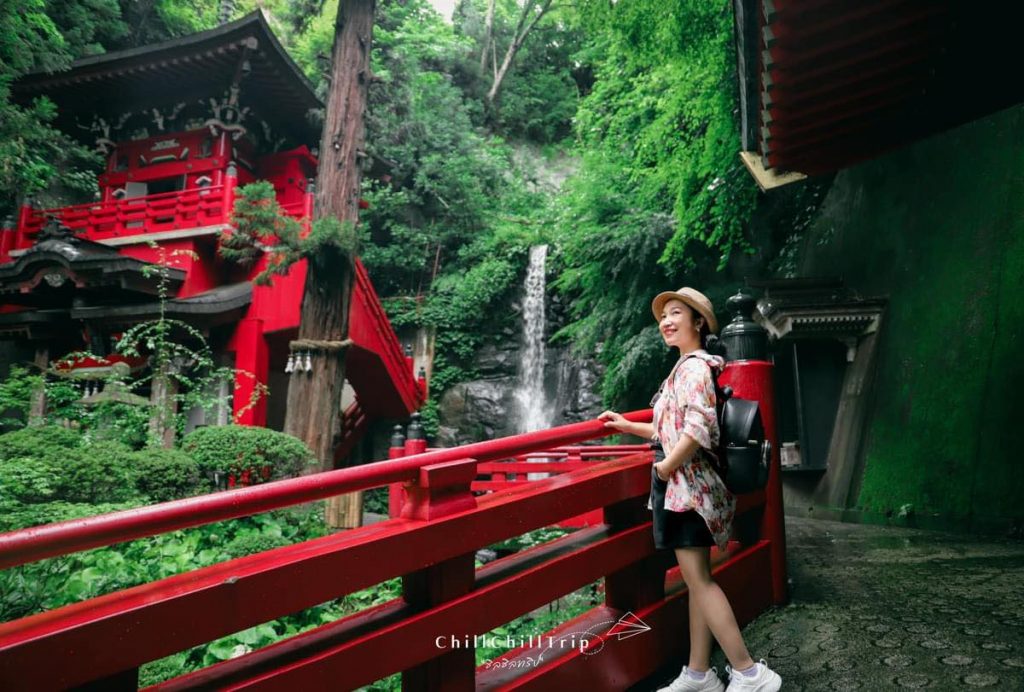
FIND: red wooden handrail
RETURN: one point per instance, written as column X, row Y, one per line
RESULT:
column 387, row 346
column 39, row 542
column 180, row 209
column 231, row 596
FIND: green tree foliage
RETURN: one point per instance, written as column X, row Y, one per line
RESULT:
column 262, row 229
column 32, row 153
column 661, row 199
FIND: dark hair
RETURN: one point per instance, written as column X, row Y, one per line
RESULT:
column 708, row 341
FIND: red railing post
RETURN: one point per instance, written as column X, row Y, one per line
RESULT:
column 641, row 583
column 750, row 374
column 307, row 205
column 24, row 214
column 230, row 183
column 396, row 495
column 8, row 238
column 441, row 490
column 415, row 441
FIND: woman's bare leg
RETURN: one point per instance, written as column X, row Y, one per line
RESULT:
column 708, row 597
column 700, row 637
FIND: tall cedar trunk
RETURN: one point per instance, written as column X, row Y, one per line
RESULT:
column 314, row 400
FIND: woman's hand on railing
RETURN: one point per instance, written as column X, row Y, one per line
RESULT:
column 616, row 421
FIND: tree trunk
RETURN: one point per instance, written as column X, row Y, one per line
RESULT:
column 314, row 399
column 531, row 14
column 37, row 402
column 488, row 34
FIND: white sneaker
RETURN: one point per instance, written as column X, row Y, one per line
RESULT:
column 766, row 680
column 684, row 683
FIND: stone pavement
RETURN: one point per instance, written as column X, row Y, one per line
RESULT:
column 879, row 608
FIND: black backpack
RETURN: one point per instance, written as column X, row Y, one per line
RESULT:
column 744, row 451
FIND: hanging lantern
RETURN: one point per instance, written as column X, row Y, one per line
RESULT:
column 290, row 366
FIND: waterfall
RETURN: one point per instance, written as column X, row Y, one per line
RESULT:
column 533, row 408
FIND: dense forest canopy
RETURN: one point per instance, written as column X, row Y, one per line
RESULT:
column 638, row 96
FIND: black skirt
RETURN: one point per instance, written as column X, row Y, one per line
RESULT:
column 675, row 529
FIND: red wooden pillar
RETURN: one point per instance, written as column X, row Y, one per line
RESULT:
column 440, row 490
column 641, row 583
column 307, row 206
column 396, row 494
column 7, row 238
column 750, row 374
column 24, row 214
column 252, row 363
column 230, row 183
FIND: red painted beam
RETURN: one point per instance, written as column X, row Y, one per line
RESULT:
column 622, row 662
column 39, row 542
column 364, row 659
column 119, row 631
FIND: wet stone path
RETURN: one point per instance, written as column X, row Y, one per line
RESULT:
column 878, row 608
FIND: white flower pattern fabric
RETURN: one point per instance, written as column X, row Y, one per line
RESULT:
column 685, row 404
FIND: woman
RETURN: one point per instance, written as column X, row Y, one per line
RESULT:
column 692, row 508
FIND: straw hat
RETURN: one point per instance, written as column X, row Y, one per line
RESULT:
column 692, row 297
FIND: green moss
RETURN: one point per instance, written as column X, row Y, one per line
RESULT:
column 937, row 228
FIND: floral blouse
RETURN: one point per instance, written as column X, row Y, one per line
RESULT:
column 686, row 404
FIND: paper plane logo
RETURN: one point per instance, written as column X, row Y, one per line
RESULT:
column 629, row 625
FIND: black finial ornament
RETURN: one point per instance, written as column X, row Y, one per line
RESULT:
column 743, row 338
column 415, row 428
column 397, row 437
column 53, row 229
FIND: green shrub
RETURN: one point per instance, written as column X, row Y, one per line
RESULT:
column 251, row 543
column 168, row 474
column 100, row 472
column 27, row 480
column 236, row 448
column 43, row 442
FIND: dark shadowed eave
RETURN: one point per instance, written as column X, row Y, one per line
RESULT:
column 827, row 83
column 185, row 69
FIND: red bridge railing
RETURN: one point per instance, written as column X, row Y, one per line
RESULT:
column 431, row 546
column 168, row 211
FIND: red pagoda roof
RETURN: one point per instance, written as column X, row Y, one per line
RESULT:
column 188, row 70
column 827, row 83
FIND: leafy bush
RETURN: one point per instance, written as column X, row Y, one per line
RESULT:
column 100, row 472
column 237, row 448
column 43, row 442
column 30, row 460
column 27, row 480
column 168, row 474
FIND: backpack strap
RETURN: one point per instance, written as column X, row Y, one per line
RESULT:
column 718, row 459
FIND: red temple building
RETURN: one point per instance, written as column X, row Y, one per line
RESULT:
column 182, row 124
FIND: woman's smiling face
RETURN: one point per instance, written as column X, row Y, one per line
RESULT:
column 676, row 324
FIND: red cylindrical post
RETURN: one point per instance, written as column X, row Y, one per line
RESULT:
column 750, row 375
column 7, row 238
column 230, row 183
column 396, row 494
column 24, row 214
column 307, row 206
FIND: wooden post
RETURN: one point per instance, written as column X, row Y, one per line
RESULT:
column 314, row 412
column 165, row 406
column 37, row 405
column 440, row 490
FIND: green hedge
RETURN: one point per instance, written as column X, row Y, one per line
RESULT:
column 168, row 474
column 234, row 449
